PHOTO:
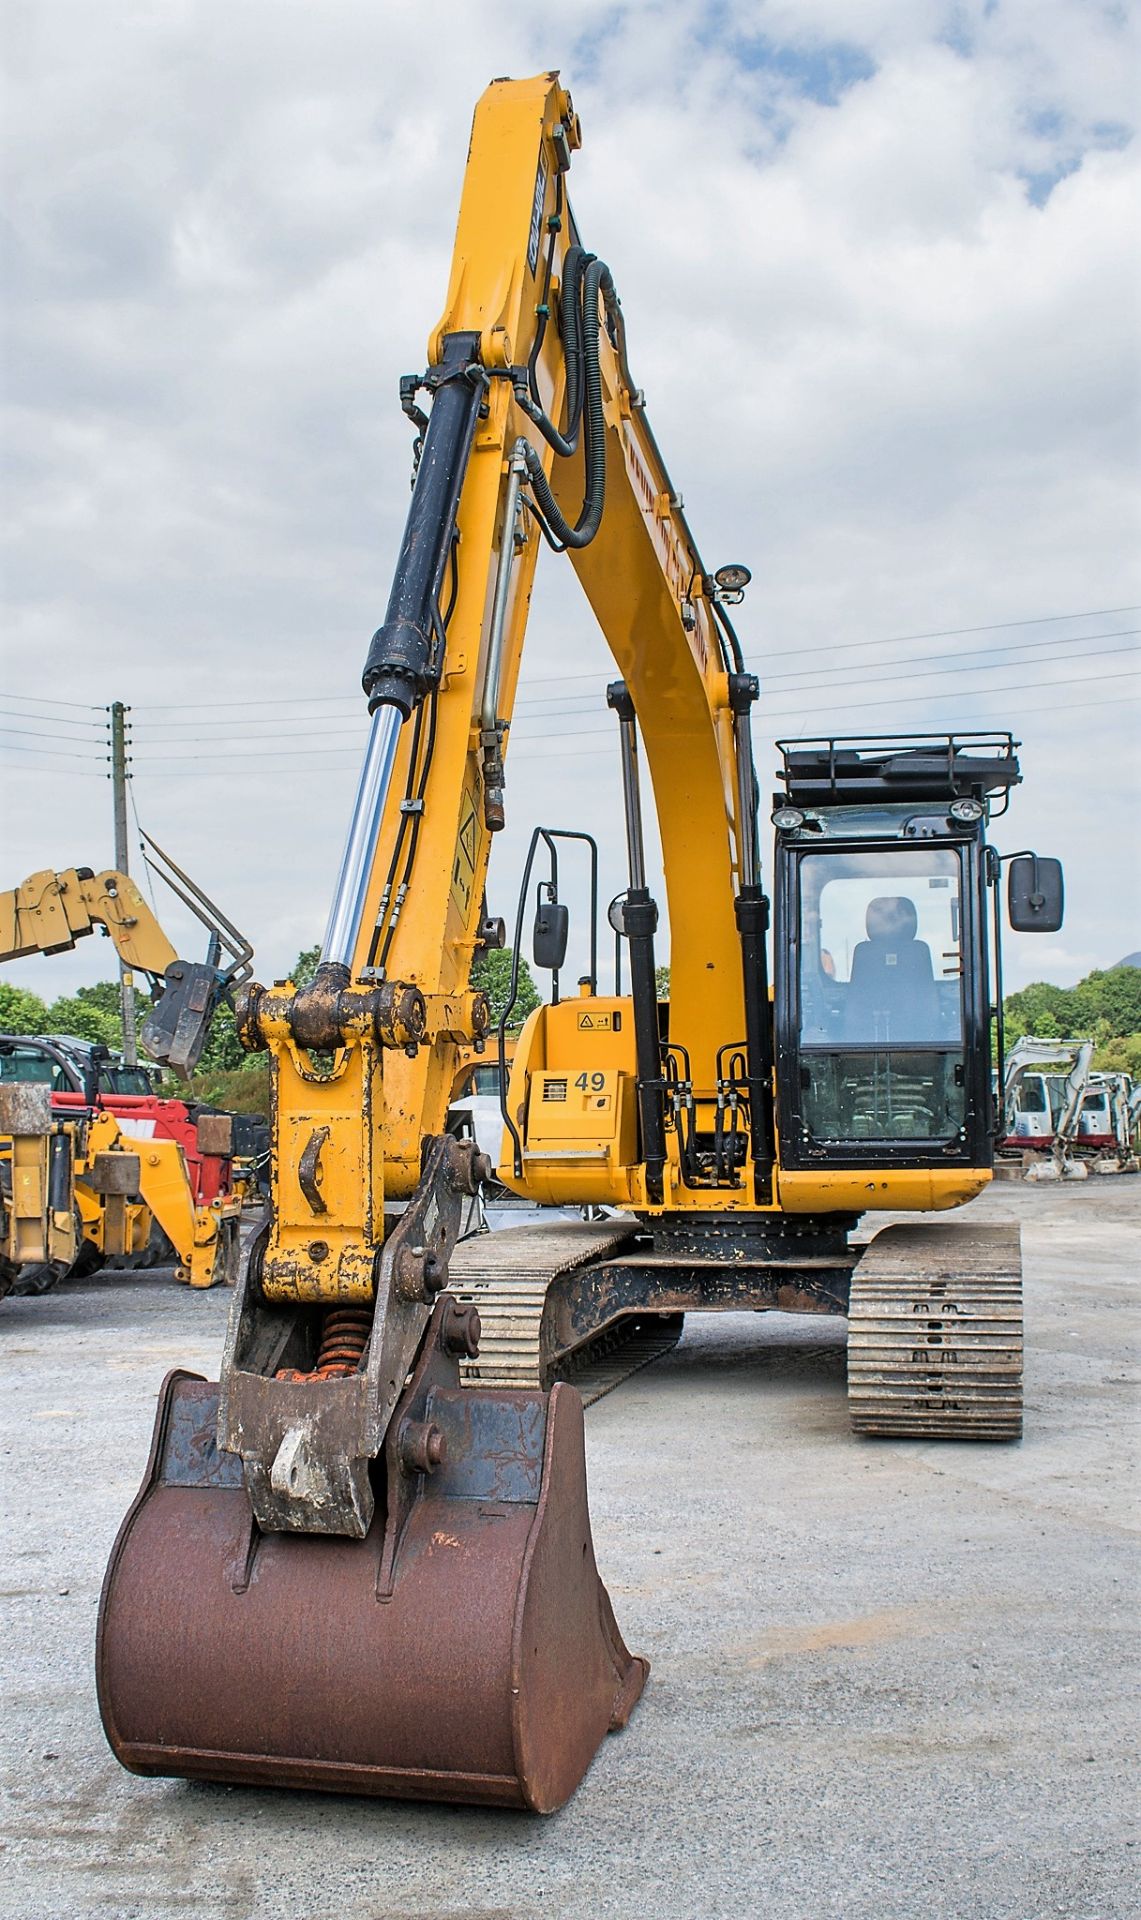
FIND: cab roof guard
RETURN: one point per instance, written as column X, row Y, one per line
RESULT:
column 834, row 769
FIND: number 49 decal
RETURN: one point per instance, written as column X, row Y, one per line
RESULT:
column 590, row 1082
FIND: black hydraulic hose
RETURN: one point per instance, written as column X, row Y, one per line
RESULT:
column 572, row 328
column 731, row 635
column 596, row 280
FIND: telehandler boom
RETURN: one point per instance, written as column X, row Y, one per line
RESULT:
column 89, row 1165
column 50, row 911
column 362, row 1559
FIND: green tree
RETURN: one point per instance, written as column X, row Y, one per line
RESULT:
column 223, row 1052
column 1120, row 1056
column 1105, row 1007
column 304, row 968
column 492, row 973
column 1112, row 996
column 662, row 982
column 243, row 1089
column 21, row 1011
column 91, row 1013
column 1040, row 1009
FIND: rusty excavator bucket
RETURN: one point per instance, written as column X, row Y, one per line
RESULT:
column 461, row 1647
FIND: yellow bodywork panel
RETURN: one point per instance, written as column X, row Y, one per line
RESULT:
column 119, row 1224
column 887, row 1189
column 34, row 1232
column 51, row 911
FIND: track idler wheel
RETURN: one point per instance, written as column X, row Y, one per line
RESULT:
column 464, row 1650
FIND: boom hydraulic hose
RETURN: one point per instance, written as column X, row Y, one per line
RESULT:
column 581, row 327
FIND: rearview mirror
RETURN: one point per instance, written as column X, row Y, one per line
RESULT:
column 549, row 941
column 1035, row 895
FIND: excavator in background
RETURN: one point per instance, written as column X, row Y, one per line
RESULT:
column 361, row 1560
column 1069, row 1117
column 94, row 1164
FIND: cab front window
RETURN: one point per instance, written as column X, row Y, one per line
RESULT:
column 880, row 994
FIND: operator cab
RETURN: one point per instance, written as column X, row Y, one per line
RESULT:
column 69, row 1065
column 883, row 1012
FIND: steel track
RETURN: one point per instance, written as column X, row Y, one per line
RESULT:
column 935, row 1334
column 506, row 1276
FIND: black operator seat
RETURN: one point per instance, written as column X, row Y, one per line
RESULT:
column 892, row 996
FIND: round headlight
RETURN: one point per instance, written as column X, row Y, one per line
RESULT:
column 966, row 810
column 732, row 579
column 786, row 818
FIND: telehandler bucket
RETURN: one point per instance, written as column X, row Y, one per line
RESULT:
column 464, row 1649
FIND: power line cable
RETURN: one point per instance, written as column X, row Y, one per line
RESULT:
column 43, row 700
column 55, row 720
column 55, row 753
column 30, row 733
column 586, row 705
column 536, row 746
column 572, row 703
column 142, row 843
column 938, row 633
column 895, row 670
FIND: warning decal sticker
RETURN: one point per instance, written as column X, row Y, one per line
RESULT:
column 467, row 853
column 536, row 233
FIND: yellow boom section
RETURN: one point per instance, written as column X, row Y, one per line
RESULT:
column 51, row 911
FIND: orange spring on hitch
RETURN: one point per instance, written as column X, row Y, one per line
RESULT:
column 344, row 1337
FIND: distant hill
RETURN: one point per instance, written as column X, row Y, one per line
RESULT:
column 1131, row 960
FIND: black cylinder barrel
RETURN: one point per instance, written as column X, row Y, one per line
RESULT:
column 752, row 914
column 400, row 669
column 640, row 918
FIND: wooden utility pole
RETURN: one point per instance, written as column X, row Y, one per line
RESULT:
column 119, row 764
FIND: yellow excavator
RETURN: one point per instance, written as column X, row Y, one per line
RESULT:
column 90, row 1159
column 362, row 1559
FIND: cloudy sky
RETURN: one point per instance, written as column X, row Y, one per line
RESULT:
column 878, row 269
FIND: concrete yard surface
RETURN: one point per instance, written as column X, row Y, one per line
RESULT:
column 891, row 1681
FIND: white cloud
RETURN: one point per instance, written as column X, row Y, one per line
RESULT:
column 885, row 377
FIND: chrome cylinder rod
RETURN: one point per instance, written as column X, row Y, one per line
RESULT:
column 347, row 910
column 489, row 712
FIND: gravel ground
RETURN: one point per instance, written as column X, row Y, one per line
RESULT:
column 889, row 1680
